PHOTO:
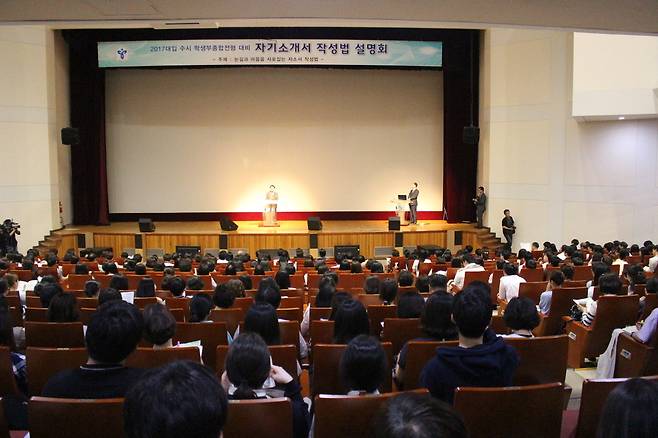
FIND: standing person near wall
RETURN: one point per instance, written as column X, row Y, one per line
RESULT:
column 508, row 227
column 413, row 203
column 480, row 202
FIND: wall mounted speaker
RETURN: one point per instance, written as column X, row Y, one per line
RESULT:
column 314, row 223
column 70, row 136
column 313, row 241
column 471, row 135
column 393, row 223
column 458, row 237
column 227, row 224
column 146, row 225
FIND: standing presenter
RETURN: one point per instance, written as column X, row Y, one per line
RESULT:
column 271, row 202
column 413, row 203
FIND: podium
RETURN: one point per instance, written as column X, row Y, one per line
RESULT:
column 269, row 212
column 401, row 207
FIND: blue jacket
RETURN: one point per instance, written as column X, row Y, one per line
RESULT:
column 491, row 364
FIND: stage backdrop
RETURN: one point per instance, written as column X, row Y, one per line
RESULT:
column 212, row 140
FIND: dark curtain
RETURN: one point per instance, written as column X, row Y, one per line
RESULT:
column 88, row 161
column 459, row 159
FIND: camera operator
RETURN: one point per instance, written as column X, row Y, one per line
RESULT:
column 10, row 230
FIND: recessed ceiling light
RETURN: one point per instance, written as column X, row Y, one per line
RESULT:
column 621, row 117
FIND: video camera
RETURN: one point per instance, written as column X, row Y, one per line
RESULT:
column 8, row 225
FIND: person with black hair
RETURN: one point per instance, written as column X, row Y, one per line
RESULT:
column 521, row 317
column 412, row 415
column 351, row 320
column 510, row 283
column 598, row 269
column 159, row 326
column 437, row 325
column 200, row 307
column 468, row 264
column 92, row 289
column 555, row 281
column 145, row 288
column 112, row 335
column 176, row 285
column 376, row 268
column 282, row 279
column 630, row 411
column 269, row 292
column 438, row 283
column 653, row 261
column 238, row 286
column 475, row 362
column 250, row 374
column 47, row 291
column 194, row 283
column 108, row 294
column 119, row 282
column 63, row 308
column 405, row 279
column 388, row 291
column 223, row 297
column 363, row 366
column 410, row 305
column 423, row 284
column 336, row 301
column 178, row 399
column 261, row 318
column 371, row 284
column 609, row 284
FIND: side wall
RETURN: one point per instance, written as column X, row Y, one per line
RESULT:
column 33, row 107
column 561, row 179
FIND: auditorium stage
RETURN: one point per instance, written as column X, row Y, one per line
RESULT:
column 251, row 236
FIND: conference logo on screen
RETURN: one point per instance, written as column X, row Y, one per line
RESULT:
column 122, row 54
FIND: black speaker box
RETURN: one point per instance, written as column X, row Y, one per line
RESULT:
column 223, row 241
column 227, row 224
column 314, row 223
column 458, row 237
column 313, row 240
column 471, row 135
column 146, row 225
column 393, row 223
column 399, row 240
column 139, row 244
column 70, row 136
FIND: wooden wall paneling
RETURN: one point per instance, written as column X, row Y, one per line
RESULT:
column 367, row 241
column 254, row 242
column 415, row 238
column 116, row 241
column 68, row 241
column 168, row 242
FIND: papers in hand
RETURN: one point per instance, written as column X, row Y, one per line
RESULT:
column 196, row 344
column 128, row 297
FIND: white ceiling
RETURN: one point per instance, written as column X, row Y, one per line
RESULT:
column 624, row 16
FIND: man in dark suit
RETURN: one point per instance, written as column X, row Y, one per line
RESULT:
column 508, row 227
column 413, row 203
column 480, row 202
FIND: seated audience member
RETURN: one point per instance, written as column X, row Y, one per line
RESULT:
column 250, row 375
column 17, row 359
column 177, row 286
column 47, row 291
column 521, row 317
column 467, row 265
column 119, row 282
column 81, row 269
column 371, row 285
column 92, row 289
column 376, row 268
column 410, row 305
column 261, row 319
column 108, row 294
column 568, row 271
column 363, row 366
column 282, row 279
column 145, row 288
column 351, row 321
column 63, row 308
column 223, row 297
column 609, row 284
column 336, row 301
column 630, row 411
column 634, row 275
column 474, row 362
column 411, row 415
column 388, row 291
column 423, row 284
column 237, row 287
column 356, row 268
column 194, row 283
column 405, row 279
column 159, row 326
column 178, row 399
column 437, row 325
column 140, row 269
column 200, row 307
column 326, row 292
column 598, row 269
column 653, row 261
column 246, row 283
column 509, row 283
column 110, row 268
column 259, row 269
column 556, row 280
column 112, row 335
column 438, row 283
column 185, row 265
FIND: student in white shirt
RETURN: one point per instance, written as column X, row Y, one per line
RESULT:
column 609, row 284
column 468, row 265
column 509, row 283
column 521, row 316
column 620, row 259
column 555, row 281
column 653, row 261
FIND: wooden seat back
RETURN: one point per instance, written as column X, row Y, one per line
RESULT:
column 243, row 303
column 561, row 303
column 33, row 301
column 369, row 299
column 231, row 317
column 317, row 313
column 38, row 314
column 471, row 276
column 398, row 331
column 290, row 314
column 418, row 354
column 495, row 284
column 532, row 290
column 348, row 416
column 541, row 407
column 210, row 334
column 74, row 418
column 274, row 418
column 54, row 334
column 46, row 362
column 541, row 360
column 322, row 332
column 377, row 313
column 290, row 333
column 650, row 303
column 142, row 302
column 90, row 303
column 532, row 275
column 179, row 303
column 635, row 359
column 150, row 358
column 593, row 397
column 582, row 273
column 8, row 384
column 612, row 312
column 77, row 281
column 326, row 365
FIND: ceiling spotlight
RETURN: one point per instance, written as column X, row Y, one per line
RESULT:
column 621, row 117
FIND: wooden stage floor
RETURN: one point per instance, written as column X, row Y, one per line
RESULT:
column 251, row 236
